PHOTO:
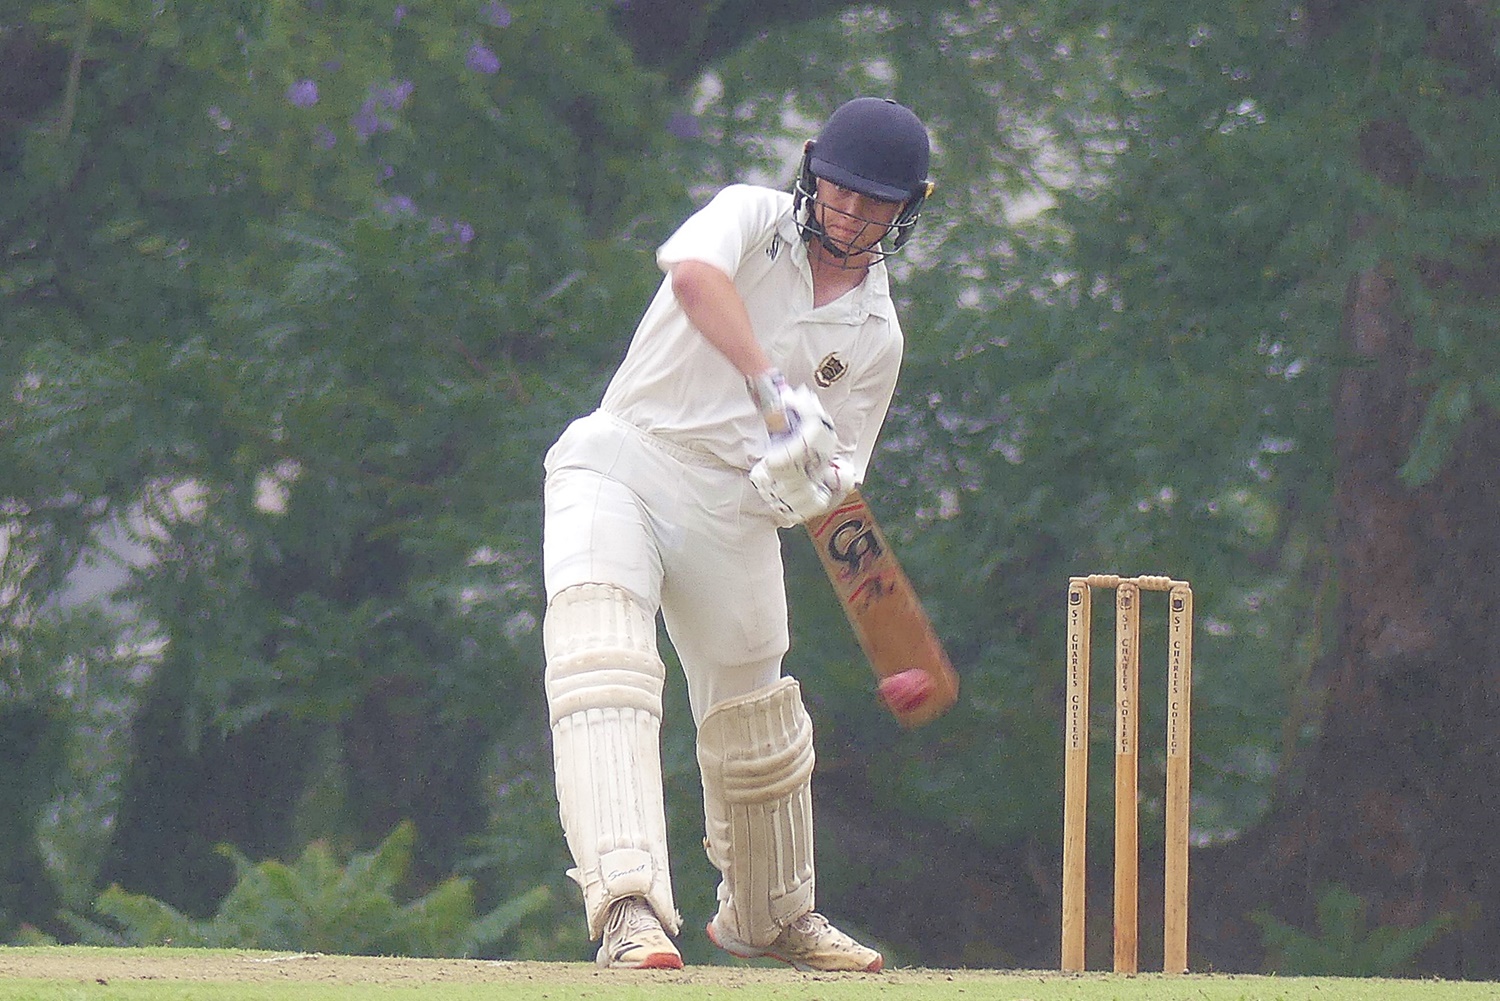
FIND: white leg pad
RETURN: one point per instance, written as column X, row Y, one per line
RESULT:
column 756, row 756
column 604, row 683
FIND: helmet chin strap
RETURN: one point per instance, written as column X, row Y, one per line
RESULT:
column 842, row 253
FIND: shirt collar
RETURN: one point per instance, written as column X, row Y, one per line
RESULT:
column 872, row 297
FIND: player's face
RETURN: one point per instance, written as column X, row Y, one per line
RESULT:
column 854, row 222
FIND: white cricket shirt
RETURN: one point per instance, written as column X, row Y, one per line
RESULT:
column 674, row 384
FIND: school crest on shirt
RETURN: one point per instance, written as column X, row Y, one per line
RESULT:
column 830, row 370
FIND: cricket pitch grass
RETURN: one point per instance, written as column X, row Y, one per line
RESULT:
column 85, row 974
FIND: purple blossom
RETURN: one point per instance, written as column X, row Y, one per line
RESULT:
column 324, row 138
column 366, row 122
column 455, row 232
column 393, row 96
column 397, row 205
column 370, row 119
column 303, row 93
column 497, row 14
column 684, row 126
column 482, row 60
column 399, row 14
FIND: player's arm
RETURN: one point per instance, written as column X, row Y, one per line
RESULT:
column 798, row 475
column 710, row 300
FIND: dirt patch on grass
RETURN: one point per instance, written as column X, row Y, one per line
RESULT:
column 168, row 965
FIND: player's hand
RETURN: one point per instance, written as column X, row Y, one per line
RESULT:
column 798, row 476
column 785, row 410
column 797, row 494
column 800, row 430
column 810, row 443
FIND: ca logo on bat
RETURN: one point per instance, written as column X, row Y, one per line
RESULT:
column 854, row 544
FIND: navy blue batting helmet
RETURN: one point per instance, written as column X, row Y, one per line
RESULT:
column 876, row 147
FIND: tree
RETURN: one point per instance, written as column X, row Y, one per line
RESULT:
column 1272, row 258
column 1204, row 291
column 292, row 299
column 1391, row 795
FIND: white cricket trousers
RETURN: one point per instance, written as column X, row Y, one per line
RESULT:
column 683, row 532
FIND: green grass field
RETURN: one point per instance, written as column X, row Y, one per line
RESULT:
column 81, row 974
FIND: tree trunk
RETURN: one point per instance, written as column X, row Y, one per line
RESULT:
column 187, row 792
column 405, row 761
column 33, row 743
column 1397, row 798
column 681, row 38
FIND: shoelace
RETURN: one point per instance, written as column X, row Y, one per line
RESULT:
column 813, row 925
column 632, row 916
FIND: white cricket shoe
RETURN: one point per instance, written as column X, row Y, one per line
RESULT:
column 810, row 944
column 634, row 939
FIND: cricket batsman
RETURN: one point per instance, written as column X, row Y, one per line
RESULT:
column 749, row 399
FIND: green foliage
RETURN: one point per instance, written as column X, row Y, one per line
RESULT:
column 67, row 688
column 1107, row 367
column 294, row 297
column 1345, row 945
column 317, row 904
column 292, row 301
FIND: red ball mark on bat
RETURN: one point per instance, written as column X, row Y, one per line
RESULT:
column 905, row 692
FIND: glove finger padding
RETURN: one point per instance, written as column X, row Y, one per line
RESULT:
column 765, row 485
column 797, row 495
column 797, row 477
column 811, row 442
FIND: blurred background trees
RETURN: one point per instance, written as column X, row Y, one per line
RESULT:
column 294, row 297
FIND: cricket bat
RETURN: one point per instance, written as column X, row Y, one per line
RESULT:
column 893, row 630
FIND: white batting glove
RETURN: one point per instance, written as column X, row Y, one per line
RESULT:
column 797, row 494
column 801, row 431
column 784, row 409
column 812, row 441
column 797, row 476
